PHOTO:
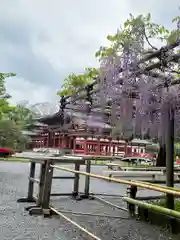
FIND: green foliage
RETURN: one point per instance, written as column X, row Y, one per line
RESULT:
column 177, row 150
column 4, row 105
column 10, row 135
column 13, row 119
column 174, row 34
column 75, row 82
column 163, row 203
column 117, row 42
column 3, row 94
column 125, row 36
column 21, row 115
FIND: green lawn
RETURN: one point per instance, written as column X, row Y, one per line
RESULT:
column 162, row 203
column 13, row 159
column 100, row 162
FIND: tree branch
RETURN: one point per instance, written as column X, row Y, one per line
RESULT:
column 149, row 41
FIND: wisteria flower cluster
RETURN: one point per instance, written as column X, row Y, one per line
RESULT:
column 141, row 89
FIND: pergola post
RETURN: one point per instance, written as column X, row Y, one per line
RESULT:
column 170, row 156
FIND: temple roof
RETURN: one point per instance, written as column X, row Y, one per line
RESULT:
column 140, row 141
column 96, row 124
column 35, row 124
column 53, row 119
column 78, row 118
column 29, row 133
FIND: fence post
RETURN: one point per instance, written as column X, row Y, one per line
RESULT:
column 29, row 197
column 87, row 179
column 31, row 183
column 132, row 190
column 47, row 189
column 76, row 180
column 42, row 176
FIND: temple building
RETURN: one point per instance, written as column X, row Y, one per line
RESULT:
column 82, row 137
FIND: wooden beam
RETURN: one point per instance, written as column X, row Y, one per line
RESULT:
column 170, row 156
column 147, row 57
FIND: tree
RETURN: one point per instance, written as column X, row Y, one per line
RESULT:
column 13, row 119
column 5, row 108
column 21, row 115
column 73, row 83
column 11, row 136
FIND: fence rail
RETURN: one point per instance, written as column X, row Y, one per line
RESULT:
column 173, row 191
column 46, row 177
column 93, row 236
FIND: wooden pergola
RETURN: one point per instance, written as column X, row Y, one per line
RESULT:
column 161, row 58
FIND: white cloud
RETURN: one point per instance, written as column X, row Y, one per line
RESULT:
column 25, row 90
column 44, row 41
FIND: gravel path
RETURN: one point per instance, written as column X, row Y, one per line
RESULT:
column 16, row 224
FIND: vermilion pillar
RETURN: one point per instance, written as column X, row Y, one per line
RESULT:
column 48, row 139
column 85, row 145
column 98, row 147
column 110, row 145
column 63, row 142
column 59, row 141
column 74, row 144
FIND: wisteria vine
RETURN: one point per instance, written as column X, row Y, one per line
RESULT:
column 132, row 94
column 139, row 102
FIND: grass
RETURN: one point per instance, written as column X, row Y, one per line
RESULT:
column 13, row 159
column 126, row 164
column 162, row 203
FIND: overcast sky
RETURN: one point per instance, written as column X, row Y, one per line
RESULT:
column 43, row 41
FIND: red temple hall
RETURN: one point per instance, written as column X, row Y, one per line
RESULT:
column 72, row 132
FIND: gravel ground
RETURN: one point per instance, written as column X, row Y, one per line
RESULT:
column 16, row 224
